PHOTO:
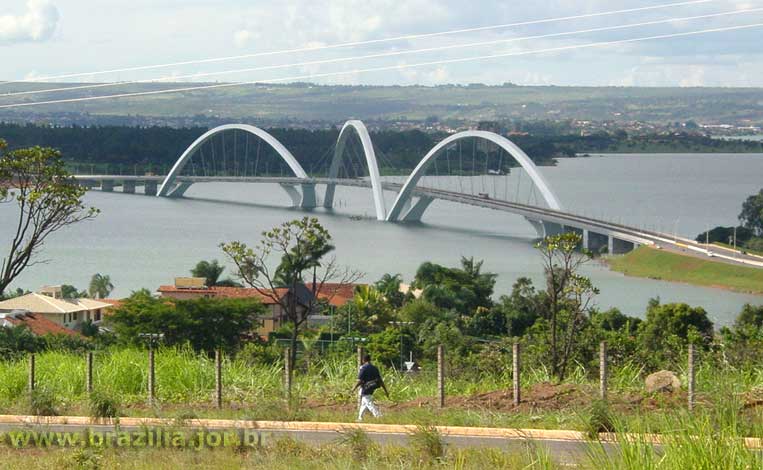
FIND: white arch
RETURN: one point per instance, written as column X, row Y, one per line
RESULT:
column 373, row 168
column 404, row 197
column 168, row 182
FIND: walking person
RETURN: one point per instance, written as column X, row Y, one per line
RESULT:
column 369, row 379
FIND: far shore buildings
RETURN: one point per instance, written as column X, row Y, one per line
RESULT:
column 47, row 311
column 334, row 294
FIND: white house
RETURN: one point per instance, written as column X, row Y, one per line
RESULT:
column 50, row 304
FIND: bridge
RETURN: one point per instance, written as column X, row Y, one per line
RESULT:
column 490, row 159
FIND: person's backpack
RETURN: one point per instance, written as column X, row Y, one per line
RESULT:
column 370, row 386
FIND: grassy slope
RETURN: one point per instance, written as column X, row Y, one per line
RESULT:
column 656, row 264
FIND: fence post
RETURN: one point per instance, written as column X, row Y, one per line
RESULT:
column 360, row 356
column 441, row 375
column 31, row 383
column 218, row 378
column 287, row 371
column 691, row 377
column 151, row 377
column 603, row 370
column 89, row 373
column 515, row 374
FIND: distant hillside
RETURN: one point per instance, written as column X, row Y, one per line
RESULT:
column 305, row 104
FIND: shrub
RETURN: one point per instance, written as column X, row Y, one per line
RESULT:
column 428, row 442
column 358, row 442
column 103, row 405
column 42, row 402
column 599, row 420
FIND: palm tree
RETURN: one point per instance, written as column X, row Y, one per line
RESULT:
column 211, row 271
column 100, row 286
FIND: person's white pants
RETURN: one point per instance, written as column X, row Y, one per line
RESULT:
column 367, row 403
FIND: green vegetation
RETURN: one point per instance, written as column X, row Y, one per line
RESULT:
column 47, row 200
column 204, row 323
column 657, row 264
column 748, row 236
column 279, row 454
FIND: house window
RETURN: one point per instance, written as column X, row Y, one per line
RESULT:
column 76, row 316
column 97, row 315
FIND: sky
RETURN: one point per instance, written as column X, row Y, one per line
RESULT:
column 41, row 38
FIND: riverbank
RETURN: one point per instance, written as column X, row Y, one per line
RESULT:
column 662, row 265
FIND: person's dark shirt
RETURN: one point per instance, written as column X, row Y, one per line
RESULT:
column 368, row 372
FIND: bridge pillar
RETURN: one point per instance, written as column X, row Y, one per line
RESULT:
column 328, row 199
column 594, row 241
column 308, row 200
column 296, row 197
column 414, row 213
column 128, row 187
column 179, row 190
column 150, row 188
column 107, row 185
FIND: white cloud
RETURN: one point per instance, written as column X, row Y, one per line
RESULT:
column 37, row 24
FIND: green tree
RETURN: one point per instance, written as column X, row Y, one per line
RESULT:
column 100, row 286
column 301, row 246
column 420, row 310
column 18, row 340
column 569, row 296
column 387, row 346
column 752, row 213
column 669, row 328
column 461, row 289
column 204, row 323
column 71, row 292
column 211, row 271
column 48, row 199
column 389, row 286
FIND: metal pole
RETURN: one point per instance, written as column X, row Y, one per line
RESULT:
column 441, row 375
column 151, row 376
column 89, row 372
column 219, row 378
column 603, row 370
column 515, row 375
column 31, row 383
column 691, row 378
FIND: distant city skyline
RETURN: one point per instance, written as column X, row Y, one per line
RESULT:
column 54, row 37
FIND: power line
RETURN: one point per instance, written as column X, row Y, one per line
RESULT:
column 383, row 54
column 385, row 68
column 357, row 43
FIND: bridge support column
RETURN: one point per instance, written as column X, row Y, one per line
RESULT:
column 128, row 187
column 150, row 188
column 414, row 213
column 308, row 200
column 107, row 186
column 296, row 197
column 594, row 241
column 179, row 190
column 328, row 200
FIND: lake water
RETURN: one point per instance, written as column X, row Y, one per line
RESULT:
column 145, row 241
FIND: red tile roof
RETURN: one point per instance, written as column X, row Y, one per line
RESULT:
column 38, row 324
column 337, row 294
